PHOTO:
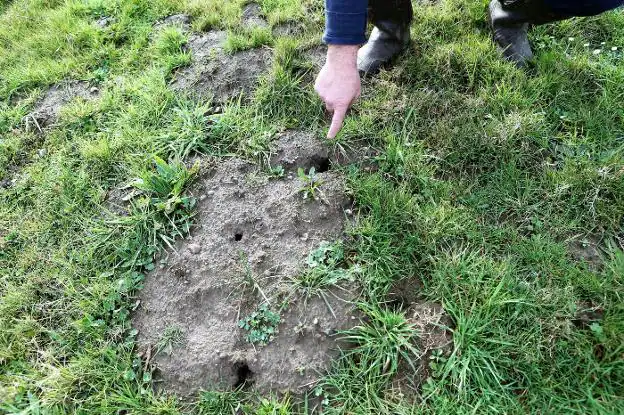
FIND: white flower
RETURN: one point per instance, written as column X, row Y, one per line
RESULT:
column 586, row 45
column 614, row 48
column 597, row 51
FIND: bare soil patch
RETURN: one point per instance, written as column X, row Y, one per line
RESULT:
column 180, row 20
column 218, row 74
column 296, row 149
column 316, row 55
column 587, row 250
column 289, row 29
column 252, row 16
column 251, row 239
column 48, row 108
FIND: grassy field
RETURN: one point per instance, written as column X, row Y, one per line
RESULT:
column 494, row 186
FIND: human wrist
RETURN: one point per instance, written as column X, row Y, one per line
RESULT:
column 344, row 56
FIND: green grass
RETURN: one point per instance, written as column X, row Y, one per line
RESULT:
column 486, row 174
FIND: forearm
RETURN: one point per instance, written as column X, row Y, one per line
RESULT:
column 345, row 22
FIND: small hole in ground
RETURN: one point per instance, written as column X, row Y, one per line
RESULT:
column 397, row 304
column 244, row 375
column 238, row 237
column 321, row 164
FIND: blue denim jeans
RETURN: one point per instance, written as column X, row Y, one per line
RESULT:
column 582, row 7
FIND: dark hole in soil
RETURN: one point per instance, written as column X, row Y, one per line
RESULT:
column 397, row 304
column 238, row 237
column 321, row 164
column 244, row 375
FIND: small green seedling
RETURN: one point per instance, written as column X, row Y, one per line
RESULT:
column 261, row 325
column 311, row 183
column 276, row 172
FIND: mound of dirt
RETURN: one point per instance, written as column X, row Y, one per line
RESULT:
column 218, row 74
column 296, row 149
column 48, row 108
column 252, row 16
column 180, row 20
column 251, row 239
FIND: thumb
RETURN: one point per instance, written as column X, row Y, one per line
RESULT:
column 337, row 120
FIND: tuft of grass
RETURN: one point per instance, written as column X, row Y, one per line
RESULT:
column 325, row 268
column 171, row 337
column 383, row 342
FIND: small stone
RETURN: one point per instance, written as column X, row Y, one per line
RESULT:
column 586, row 45
column 614, row 48
column 349, row 212
column 222, row 355
column 210, row 192
column 597, row 51
column 103, row 22
column 94, row 90
column 42, row 152
column 202, row 198
column 305, row 236
column 315, row 321
column 194, row 249
column 292, row 350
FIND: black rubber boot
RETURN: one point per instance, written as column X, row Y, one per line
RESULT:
column 389, row 38
column 510, row 19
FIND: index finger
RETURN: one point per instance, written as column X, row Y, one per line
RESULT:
column 337, row 120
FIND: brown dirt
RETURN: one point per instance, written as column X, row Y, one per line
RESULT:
column 296, row 149
column 586, row 314
column 248, row 225
column 405, row 292
column 587, row 250
column 218, row 74
column 48, row 108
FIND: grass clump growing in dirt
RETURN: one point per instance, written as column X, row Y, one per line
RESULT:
column 487, row 179
column 325, row 269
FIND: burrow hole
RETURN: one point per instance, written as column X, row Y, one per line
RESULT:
column 320, row 164
column 244, row 375
column 238, row 236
